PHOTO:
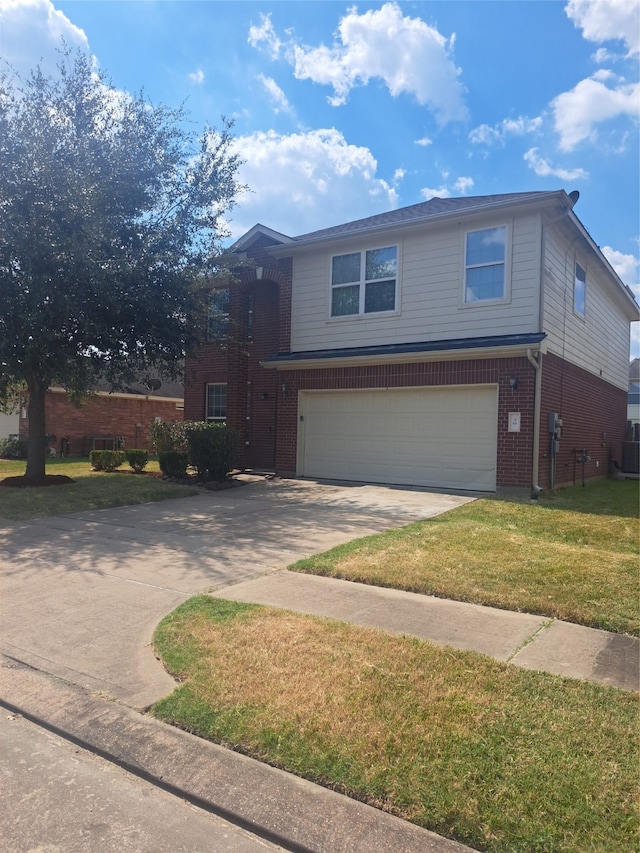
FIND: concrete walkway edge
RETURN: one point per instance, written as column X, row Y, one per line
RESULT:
column 522, row 639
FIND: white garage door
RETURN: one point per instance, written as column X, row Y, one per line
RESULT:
column 437, row 437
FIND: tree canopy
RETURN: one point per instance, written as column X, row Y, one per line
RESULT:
column 112, row 209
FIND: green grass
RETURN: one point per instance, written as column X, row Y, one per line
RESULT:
column 91, row 489
column 502, row 759
column 572, row 555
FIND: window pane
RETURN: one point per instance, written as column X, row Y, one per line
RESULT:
column 381, row 263
column 345, row 268
column 487, row 246
column 216, row 402
column 218, row 314
column 579, row 291
column 345, row 300
column 485, row 283
column 380, row 296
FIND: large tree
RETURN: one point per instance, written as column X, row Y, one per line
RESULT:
column 111, row 211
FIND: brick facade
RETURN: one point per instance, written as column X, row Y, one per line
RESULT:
column 594, row 418
column 515, row 449
column 127, row 415
column 252, row 398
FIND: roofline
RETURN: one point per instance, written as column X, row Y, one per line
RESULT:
column 500, row 346
column 624, row 288
column 538, row 199
column 242, row 242
column 157, row 398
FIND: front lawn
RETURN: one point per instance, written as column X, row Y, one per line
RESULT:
column 571, row 555
column 502, row 759
column 91, row 489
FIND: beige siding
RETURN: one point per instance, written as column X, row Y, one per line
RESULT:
column 430, row 303
column 599, row 342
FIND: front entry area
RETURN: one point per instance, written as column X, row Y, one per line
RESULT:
column 443, row 437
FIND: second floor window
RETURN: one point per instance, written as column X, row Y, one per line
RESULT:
column 485, row 253
column 580, row 291
column 218, row 315
column 364, row 282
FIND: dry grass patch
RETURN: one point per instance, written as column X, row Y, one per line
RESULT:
column 557, row 559
column 500, row 758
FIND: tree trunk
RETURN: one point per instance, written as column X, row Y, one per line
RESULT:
column 36, row 450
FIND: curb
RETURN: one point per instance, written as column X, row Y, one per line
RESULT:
column 281, row 808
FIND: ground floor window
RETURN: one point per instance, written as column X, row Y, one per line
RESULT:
column 217, row 402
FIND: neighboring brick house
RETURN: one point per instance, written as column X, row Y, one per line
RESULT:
column 471, row 343
column 107, row 419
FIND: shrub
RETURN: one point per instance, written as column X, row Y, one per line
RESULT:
column 169, row 436
column 173, row 463
column 106, row 460
column 212, row 450
column 137, row 459
column 12, row 448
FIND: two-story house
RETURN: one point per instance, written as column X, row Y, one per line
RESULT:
column 462, row 343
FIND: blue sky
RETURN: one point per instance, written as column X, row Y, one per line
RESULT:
column 344, row 110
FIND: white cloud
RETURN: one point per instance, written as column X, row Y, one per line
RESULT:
column 486, row 135
column 628, row 268
column 429, row 192
column 305, row 181
column 32, row 31
column 277, row 96
column 463, row 185
column 578, row 112
column 424, row 142
column 197, row 77
column 607, row 20
column 602, row 55
column 265, row 35
column 408, row 55
column 544, row 169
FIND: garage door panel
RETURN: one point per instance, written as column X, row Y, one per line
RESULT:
column 439, row 437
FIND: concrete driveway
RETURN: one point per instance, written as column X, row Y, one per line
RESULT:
column 81, row 594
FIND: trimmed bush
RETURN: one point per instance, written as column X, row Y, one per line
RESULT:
column 106, row 460
column 12, row 448
column 212, row 450
column 169, row 436
column 137, row 459
column 173, row 463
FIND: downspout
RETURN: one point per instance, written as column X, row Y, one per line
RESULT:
column 537, row 365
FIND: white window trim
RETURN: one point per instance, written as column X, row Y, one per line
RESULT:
column 370, row 315
column 217, row 419
column 506, row 297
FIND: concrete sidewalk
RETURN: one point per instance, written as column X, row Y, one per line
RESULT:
column 81, row 595
column 528, row 641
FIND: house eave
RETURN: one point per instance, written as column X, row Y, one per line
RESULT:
column 485, row 348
